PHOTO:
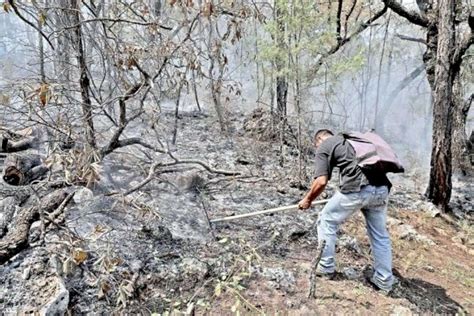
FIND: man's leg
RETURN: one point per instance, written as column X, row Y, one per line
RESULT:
column 376, row 220
column 336, row 211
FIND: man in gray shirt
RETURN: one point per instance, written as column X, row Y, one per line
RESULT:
column 360, row 189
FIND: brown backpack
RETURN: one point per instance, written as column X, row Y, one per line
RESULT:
column 372, row 152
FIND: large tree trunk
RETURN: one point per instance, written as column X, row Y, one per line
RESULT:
column 439, row 188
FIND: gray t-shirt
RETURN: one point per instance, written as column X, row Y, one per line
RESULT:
column 337, row 152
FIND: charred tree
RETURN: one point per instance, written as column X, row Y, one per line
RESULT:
column 445, row 48
column 439, row 188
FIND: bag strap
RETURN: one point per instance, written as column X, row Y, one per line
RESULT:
column 368, row 155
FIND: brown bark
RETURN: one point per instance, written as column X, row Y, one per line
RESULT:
column 439, row 188
column 442, row 59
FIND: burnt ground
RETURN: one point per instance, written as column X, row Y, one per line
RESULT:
column 154, row 251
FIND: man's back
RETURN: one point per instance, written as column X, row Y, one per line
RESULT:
column 336, row 151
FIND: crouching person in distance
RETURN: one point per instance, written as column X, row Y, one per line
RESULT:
column 359, row 189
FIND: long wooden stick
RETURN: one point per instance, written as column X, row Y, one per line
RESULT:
column 312, row 277
column 272, row 210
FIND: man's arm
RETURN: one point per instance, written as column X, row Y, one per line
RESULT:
column 317, row 187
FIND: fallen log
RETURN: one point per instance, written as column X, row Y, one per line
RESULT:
column 7, row 210
column 17, row 141
column 23, row 169
column 16, row 239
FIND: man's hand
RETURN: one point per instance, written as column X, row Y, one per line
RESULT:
column 316, row 189
column 304, row 204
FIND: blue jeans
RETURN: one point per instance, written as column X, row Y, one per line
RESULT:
column 373, row 203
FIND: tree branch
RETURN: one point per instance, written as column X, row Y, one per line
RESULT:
column 467, row 104
column 117, row 21
column 345, row 40
column 351, row 10
column 411, row 39
column 129, row 142
column 410, row 15
column 17, row 12
column 338, row 21
column 462, row 48
column 114, row 142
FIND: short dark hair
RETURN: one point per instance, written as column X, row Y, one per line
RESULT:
column 323, row 132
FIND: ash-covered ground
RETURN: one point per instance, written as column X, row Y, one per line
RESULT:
column 154, row 250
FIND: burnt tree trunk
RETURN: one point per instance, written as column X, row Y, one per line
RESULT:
column 12, row 144
column 443, row 58
column 439, row 188
column 23, row 169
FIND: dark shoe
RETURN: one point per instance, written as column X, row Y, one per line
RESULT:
column 385, row 292
column 324, row 275
column 368, row 273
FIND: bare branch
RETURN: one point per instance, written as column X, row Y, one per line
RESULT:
column 17, row 12
column 338, row 21
column 349, row 13
column 467, row 104
column 411, row 39
column 118, row 21
column 345, row 40
column 462, row 48
column 410, row 15
column 129, row 142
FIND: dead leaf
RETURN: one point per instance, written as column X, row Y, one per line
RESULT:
column 6, row 6
column 104, row 288
column 79, row 256
column 208, row 9
column 4, row 99
column 44, row 94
